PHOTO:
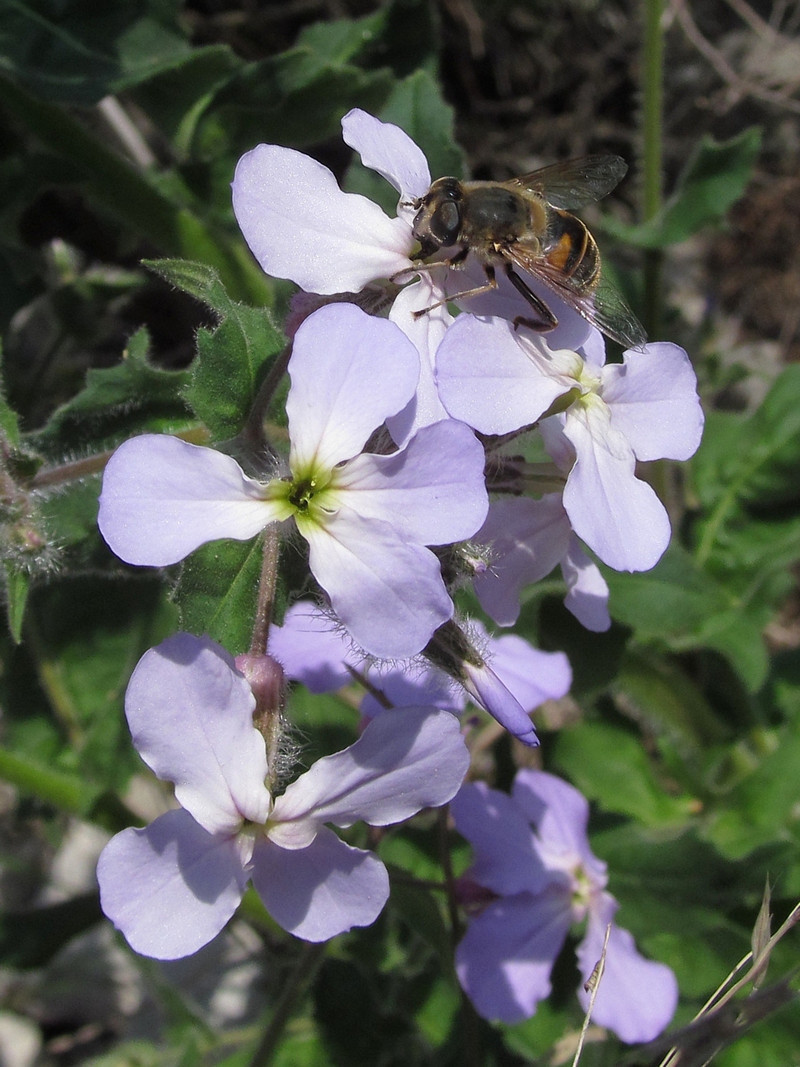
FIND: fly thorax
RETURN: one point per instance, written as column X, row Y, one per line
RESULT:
column 493, row 215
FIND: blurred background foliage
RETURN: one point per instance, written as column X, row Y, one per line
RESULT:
column 121, row 124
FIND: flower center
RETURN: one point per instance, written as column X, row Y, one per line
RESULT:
column 581, row 891
column 302, row 492
column 306, row 495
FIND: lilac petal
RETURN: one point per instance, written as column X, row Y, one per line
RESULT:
column 506, row 956
column 594, row 349
column 490, row 693
column 587, row 591
column 162, row 498
column 530, row 675
column 426, row 333
column 505, row 858
column 555, row 441
column 322, row 890
column 527, row 538
column 432, row 492
column 300, row 225
column 636, row 997
column 313, row 649
column 411, row 759
column 191, row 718
column 387, row 592
column 411, row 686
column 505, row 302
column 349, row 370
column 171, row 887
column 618, row 516
column 560, row 815
column 387, row 149
column 487, row 376
column 654, row 402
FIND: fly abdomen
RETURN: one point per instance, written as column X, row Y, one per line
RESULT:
column 572, row 250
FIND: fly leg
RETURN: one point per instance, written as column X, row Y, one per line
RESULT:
column 491, row 283
column 547, row 320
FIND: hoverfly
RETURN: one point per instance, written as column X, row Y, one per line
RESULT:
column 526, row 222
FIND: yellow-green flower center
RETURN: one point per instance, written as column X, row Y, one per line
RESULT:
column 307, row 495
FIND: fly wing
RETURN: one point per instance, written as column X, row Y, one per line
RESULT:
column 576, row 182
column 602, row 305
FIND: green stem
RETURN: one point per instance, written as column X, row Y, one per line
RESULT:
column 63, row 791
column 310, row 958
column 266, row 590
column 652, row 163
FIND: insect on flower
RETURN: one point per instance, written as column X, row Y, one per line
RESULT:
column 526, row 222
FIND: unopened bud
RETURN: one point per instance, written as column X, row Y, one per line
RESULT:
column 266, row 678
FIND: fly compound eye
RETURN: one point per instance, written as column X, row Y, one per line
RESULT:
column 446, row 222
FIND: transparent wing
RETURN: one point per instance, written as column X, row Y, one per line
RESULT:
column 576, row 182
column 603, row 305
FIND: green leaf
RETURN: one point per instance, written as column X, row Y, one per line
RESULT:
column 341, row 41
column 89, row 647
column 417, row 105
column 761, row 472
column 714, row 178
column 419, row 909
column 439, row 1012
column 17, row 587
column 217, row 592
column 117, row 402
column 294, row 99
column 763, row 806
column 675, row 891
column 748, row 537
column 595, row 657
column 75, row 53
column 666, row 699
column 610, row 766
column 9, row 423
column 679, row 605
column 232, row 359
column 153, row 205
column 176, row 99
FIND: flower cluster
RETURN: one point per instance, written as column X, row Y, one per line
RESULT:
column 397, row 482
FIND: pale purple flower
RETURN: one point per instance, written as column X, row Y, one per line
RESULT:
column 516, row 679
column 301, row 226
column 531, row 852
column 606, row 418
column 527, row 539
column 172, row 886
column 367, row 518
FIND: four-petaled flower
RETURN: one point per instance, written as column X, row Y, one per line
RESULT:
column 607, row 417
column 367, row 518
column 172, row 886
column 532, row 854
